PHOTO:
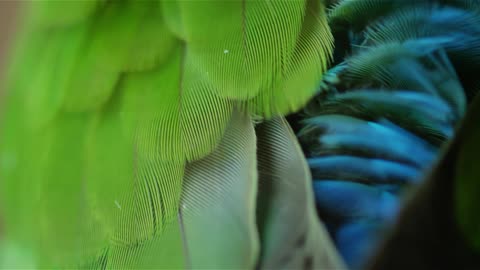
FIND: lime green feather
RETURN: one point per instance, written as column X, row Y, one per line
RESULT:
column 50, row 78
column 269, row 54
column 148, row 50
column 112, row 106
column 223, row 188
column 102, row 56
column 53, row 14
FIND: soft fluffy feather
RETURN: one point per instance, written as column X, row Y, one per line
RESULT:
column 403, row 81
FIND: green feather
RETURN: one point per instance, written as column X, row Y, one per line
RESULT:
column 53, row 14
column 288, row 40
column 102, row 56
column 115, row 109
column 223, row 188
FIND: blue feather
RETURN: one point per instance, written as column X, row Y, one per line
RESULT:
column 349, row 201
column 356, row 241
column 362, row 169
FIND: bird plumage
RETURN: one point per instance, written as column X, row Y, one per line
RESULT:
column 401, row 83
column 129, row 140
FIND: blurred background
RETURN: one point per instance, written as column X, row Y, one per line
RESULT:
column 7, row 21
column 7, row 18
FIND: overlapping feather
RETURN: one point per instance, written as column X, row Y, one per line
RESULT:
column 404, row 77
column 116, row 115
